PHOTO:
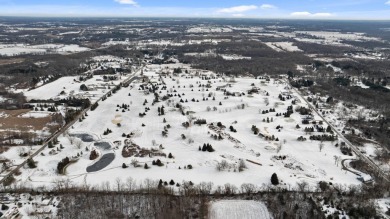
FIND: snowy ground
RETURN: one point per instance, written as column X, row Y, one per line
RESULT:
column 238, row 209
column 70, row 86
column 19, row 49
column 367, row 55
column 283, row 46
column 384, row 207
column 234, row 57
column 303, row 161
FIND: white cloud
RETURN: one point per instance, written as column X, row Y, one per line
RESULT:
column 238, row 15
column 238, row 9
column 127, row 2
column 302, row 13
column 388, row 2
column 267, row 6
column 308, row 14
column 322, row 15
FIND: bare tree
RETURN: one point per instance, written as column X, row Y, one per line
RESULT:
column 78, row 143
column 321, row 145
column 266, row 101
column 302, row 186
column 119, row 185
column 278, row 147
column 241, row 165
column 130, row 184
column 134, row 162
column 336, row 159
column 248, row 188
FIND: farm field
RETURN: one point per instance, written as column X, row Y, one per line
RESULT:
column 237, row 137
column 230, row 209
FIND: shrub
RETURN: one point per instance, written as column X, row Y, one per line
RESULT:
column 241, row 165
column 94, row 106
column 61, row 165
column 200, row 122
column 83, row 87
column 274, row 179
column 50, row 144
column 93, row 155
column 4, row 207
column 31, row 163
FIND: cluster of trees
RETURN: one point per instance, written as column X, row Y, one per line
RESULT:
column 268, row 111
column 107, row 131
column 94, row 106
column 161, row 111
column 302, row 83
column 216, row 137
column 157, row 163
column 232, row 129
column 324, row 137
column 303, row 111
column 200, row 122
column 255, row 130
column 62, row 164
column 206, row 147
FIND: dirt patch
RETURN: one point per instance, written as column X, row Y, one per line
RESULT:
column 11, row 61
column 14, row 122
column 117, row 120
column 10, row 121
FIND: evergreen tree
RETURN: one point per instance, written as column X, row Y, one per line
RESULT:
column 274, row 179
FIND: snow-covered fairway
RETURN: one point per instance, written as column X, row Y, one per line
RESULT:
column 303, row 160
column 238, row 209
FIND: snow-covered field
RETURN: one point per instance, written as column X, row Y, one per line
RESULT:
column 293, row 161
column 338, row 36
column 20, row 49
column 238, row 209
column 70, row 86
column 283, row 46
column 234, row 57
column 209, row 29
column 366, row 55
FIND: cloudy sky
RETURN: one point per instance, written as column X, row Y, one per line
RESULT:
column 309, row 9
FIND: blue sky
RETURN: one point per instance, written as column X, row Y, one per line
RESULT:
column 309, row 9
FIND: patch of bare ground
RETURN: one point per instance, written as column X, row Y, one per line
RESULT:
column 10, row 120
column 11, row 61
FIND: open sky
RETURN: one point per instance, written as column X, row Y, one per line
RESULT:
column 309, row 9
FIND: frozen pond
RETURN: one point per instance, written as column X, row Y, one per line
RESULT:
column 102, row 163
column 103, row 145
column 84, row 137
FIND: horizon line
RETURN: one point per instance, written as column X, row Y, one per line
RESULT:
column 187, row 17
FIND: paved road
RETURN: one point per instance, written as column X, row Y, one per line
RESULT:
column 355, row 149
column 128, row 80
